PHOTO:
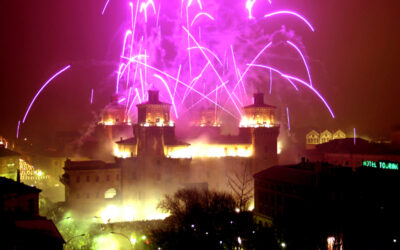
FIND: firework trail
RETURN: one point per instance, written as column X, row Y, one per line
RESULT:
column 91, row 96
column 19, row 124
column 41, row 89
column 189, row 42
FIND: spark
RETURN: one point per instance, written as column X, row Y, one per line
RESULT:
column 237, row 72
column 188, row 41
column 169, row 92
column 129, row 97
column 275, row 70
column 210, row 93
column 19, row 124
column 210, row 51
column 119, row 77
column 249, row 7
column 177, row 79
column 288, row 12
column 141, row 82
column 303, row 58
column 133, row 101
column 121, row 100
column 137, row 93
column 252, row 62
column 143, row 7
column 288, row 117
column 314, row 90
column 91, row 97
column 105, row 7
column 302, row 82
column 216, row 72
column 201, row 14
column 40, row 90
column 354, row 133
column 270, row 81
column 127, row 33
column 186, row 85
column 198, row 2
column 194, row 81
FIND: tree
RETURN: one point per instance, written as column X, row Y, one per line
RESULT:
column 241, row 183
column 202, row 219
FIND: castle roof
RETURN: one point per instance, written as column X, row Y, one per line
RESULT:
column 89, row 165
column 258, row 100
column 153, row 99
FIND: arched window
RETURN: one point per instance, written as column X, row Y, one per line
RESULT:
column 110, row 193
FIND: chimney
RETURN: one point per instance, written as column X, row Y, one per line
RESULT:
column 259, row 98
column 18, row 176
column 153, row 96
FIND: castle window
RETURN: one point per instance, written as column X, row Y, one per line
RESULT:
column 97, row 178
column 117, row 177
column 87, row 178
column 87, row 196
column 78, row 179
column 108, row 178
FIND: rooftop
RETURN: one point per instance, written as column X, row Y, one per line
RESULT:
column 258, row 100
column 88, row 165
column 8, row 186
column 4, row 152
column 153, row 99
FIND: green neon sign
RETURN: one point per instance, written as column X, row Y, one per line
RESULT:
column 381, row 165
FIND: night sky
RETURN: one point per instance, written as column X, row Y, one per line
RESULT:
column 354, row 58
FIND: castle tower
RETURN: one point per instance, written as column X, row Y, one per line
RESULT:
column 154, row 126
column 259, row 122
column 113, row 125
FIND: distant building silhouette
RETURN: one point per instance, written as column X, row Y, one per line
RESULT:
column 21, row 225
column 313, row 204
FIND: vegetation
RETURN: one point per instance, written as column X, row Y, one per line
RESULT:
column 202, row 219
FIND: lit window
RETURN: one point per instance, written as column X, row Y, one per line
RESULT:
column 110, row 193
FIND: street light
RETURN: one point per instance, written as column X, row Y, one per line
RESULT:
column 76, row 236
column 123, row 235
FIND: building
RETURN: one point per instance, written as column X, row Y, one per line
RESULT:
column 313, row 204
column 22, row 227
column 352, row 153
column 155, row 162
column 9, row 162
column 314, row 138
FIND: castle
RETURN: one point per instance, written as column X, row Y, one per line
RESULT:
column 154, row 161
